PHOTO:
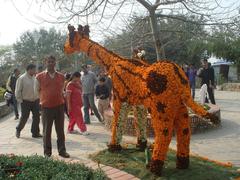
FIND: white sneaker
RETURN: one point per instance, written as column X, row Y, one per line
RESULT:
column 85, row 133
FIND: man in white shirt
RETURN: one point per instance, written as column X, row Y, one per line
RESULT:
column 29, row 101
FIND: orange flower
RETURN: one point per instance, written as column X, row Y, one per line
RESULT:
column 162, row 87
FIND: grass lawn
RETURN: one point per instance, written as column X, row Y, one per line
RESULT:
column 40, row 168
column 133, row 162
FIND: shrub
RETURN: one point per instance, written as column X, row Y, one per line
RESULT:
column 37, row 167
column 2, row 91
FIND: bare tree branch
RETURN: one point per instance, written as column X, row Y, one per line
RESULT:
column 145, row 4
column 167, row 2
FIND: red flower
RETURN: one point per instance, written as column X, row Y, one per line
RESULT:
column 19, row 163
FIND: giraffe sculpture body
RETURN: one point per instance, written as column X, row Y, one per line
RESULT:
column 161, row 87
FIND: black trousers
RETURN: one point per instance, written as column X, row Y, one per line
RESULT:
column 26, row 108
column 211, row 95
column 56, row 115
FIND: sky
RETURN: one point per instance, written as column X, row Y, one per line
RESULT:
column 13, row 24
column 18, row 16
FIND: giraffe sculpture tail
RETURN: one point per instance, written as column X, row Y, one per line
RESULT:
column 199, row 110
column 187, row 98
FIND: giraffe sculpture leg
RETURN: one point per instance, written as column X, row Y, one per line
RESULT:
column 183, row 131
column 140, row 118
column 163, row 128
column 123, row 115
column 120, row 116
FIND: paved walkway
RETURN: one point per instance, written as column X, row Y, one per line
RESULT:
column 221, row 144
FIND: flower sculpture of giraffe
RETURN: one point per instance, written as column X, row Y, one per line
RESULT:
column 162, row 88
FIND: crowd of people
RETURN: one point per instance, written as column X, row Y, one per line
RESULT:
column 206, row 74
column 50, row 94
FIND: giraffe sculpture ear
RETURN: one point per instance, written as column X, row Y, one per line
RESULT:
column 86, row 30
column 71, row 34
column 80, row 29
column 71, row 28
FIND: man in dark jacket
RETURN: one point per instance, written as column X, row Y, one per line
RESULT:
column 11, row 85
column 102, row 93
column 207, row 75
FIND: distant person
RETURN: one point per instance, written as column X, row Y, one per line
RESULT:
column 10, row 85
column 102, row 93
column 191, row 74
column 25, row 95
column 206, row 73
column 89, row 81
column 49, row 85
column 74, row 104
column 39, row 69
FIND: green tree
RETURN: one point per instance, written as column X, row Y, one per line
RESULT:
column 27, row 50
column 182, row 41
column 225, row 44
column 7, row 63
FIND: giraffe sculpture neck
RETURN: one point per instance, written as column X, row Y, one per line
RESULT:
column 98, row 53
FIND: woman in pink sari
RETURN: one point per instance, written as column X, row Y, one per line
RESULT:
column 74, row 104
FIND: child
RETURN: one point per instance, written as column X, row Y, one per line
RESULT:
column 102, row 93
column 74, row 104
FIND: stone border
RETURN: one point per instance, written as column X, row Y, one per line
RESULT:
column 198, row 124
column 111, row 173
column 230, row 87
column 4, row 109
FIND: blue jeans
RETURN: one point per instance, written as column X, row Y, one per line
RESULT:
column 192, row 86
column 88, row 101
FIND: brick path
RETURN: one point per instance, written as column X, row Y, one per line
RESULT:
column 78, row 146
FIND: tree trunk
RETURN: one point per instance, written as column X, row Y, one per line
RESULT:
column 156, row 35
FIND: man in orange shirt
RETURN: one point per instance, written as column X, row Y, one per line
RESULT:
column 49, row 85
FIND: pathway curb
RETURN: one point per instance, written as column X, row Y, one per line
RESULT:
column 112, row 173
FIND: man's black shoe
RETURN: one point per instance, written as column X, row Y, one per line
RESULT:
column 17, row 134
column 64, row 155
column 37, row 136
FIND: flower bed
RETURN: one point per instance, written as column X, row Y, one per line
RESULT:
column 198, row 124
column 37, row 167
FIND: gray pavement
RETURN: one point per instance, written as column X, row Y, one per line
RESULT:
column 221, row 144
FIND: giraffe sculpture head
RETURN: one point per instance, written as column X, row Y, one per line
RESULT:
column 74, row 37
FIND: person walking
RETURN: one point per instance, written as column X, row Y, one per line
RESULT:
column 74, row 104
column 25, row 95
column 191, row 74
column 207, row 75
column 10, row 85
column 102, row 93
column 88, row 86
column 49, row 85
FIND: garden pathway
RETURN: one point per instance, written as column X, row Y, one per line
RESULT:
column 221, row 144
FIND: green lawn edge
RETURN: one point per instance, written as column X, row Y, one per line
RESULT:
column 132, row 161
